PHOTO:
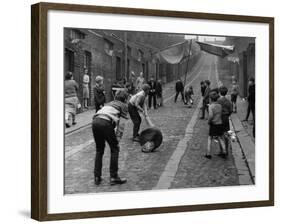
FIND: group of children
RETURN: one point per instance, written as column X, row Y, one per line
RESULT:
column 219, row 109
column 107, row 120
column 106, row 127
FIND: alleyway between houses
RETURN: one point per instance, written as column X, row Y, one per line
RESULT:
column 178, row 163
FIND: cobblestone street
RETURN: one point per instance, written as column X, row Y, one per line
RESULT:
column 178, row 163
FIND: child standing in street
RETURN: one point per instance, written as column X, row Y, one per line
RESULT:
column 215, row 123
column 202, row 88
column 159, row 90
column 136, row 105
column 99, row 93
column 179, row 90
column 206, row 98
column 226, row 112
column 188, row 93
column 234, row 94
column 152, row 93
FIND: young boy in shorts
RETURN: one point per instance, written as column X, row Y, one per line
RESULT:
column 226, row 112
column 215, row 123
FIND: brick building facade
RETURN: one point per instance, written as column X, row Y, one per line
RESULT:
column 103, row 53
column 241, row 64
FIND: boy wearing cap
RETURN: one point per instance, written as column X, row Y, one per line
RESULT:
column 105, row 121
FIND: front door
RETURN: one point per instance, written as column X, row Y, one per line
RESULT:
column 69, row 61
column 128, row 69
column 118, row 68
column 87, row 65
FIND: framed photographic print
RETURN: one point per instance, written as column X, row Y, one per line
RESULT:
column 141, row 111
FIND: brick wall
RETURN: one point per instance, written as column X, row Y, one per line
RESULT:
column 104, row 64
column 245, row 51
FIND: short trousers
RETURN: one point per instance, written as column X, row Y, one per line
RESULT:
column 216, row 130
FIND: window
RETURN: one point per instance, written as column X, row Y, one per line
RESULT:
column 118, row 68
column 108, row 47
column 140, row 55
column 69, row 60
column 87, row 60
column 129, row 51
column 76, row 34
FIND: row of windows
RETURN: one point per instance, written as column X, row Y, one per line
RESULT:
column 108, row 45
column 69, row 60
column 76, row 34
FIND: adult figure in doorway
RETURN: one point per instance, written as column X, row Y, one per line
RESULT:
column 86, row 94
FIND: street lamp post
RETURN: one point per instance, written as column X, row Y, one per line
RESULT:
column 188, row 57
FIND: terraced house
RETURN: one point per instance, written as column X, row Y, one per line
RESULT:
column 116, row 54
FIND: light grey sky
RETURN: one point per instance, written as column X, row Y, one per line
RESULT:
column 205, row 38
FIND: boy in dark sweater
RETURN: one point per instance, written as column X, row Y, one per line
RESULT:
column 179, row 90
column 99, row 93
column 152, row 93
column 203, row 88
column 215, row 123
column 159, row 90
column 206, row 98
column 226, row 112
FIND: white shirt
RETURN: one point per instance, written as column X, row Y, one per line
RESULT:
column 138, row 98
column 86, row 79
